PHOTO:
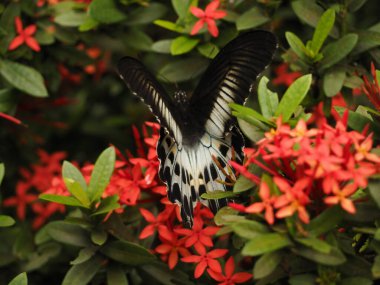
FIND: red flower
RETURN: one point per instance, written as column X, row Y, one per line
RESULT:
column 155, row 223
column 198, row 236
column 44, row 212
column 25, row 36
column 208, row 17
column 372, row 89
column 21, row 200
column 205, row 260
column 170, row 248
column 284, row 76
column 230, row 278
column 341, row 197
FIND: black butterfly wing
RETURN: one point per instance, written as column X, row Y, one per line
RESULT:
column 229, row 77
column 143, row 84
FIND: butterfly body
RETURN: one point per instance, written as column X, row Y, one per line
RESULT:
column 198, row 135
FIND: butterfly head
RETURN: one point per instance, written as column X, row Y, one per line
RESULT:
column 180, row 98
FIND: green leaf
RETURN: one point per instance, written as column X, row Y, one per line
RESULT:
column 243, row 184
column 356, row 281
column 71, row 172
column 182, row 44
column 254, row 131
column 248, row 228
column 268, row 100
column 326, row 221
column 99, row 237
column 208, row 50
column 182, row 70
column 338, row 50
column 168, row 25
column 7, row 23
column 70, row 19
column 68, row 234
column 2, row 172
column 324, row 26
column 354, row 5
column 303, row 279
column 106, row 11
column 127, row 253
column 162, row 46
column 21, row 279
column 88, row 24
column 146, row 14
column 116, row 275
column 293, row 97
column 296, row 45
column 373, row 187
column 82, row 274
column 181, row 7
column 101, row 174
column 251, row 19
column 107, row 205
column 6, row 221
column 333, row 258
column 78, row 192
column 24, row 78
column 217, row 194
column 137, row 39
column 265, row 243
column 367, row 40
column 376, row 267
column 64, row 200
column 85, row 254
column 266, row 264
column 227, row 215
column 249, row 115
column 333, row 81
column 315, row 243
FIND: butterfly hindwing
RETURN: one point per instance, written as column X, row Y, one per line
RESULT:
column 143, row 84
column 229, row 77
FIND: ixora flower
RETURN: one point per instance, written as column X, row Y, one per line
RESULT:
column 24, row 36
column 372, row 89
column 230, row 278
column 324, row 166
column 208, row 17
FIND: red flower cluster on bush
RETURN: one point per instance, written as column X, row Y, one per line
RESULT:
column 310, row 167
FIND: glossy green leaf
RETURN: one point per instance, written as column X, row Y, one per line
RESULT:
column 7, row 23
column 249, row 115
column 23, row 77
column 68, row 234
column 265, row 243
column 227, row 215
column 376, row 267
column 82, row 274
column 146, row 14
column 64, row 200
column 367, row 40
column 88, row 24
column 183, row 44
column 254, row 131
column 338, row 50
column 85, row 254
column 326, row 221
column 162, row 46
column 315, row 243
column 266, row 264
column 21, row 279
column 116, row 275
column 98, row 236
column 333, row 258
column 77, row 191
column 333, row 81
column 251, row 19
column 293, row 97
column 107, row 205
column 183, row 70
column 324, row 26
column 137, row 39
column 296, row 45
column 6, row 221
column 70, row 19
column 181, row 7
column 2, row 172
column 70, row 171
column 243, row 184
column 168, row 25
column 101, row 174
column 268, row 100
column 248, row 228
column 303, row 279
column 208, row 50
column 127, row 253
column 218, row 194
column 106, row 11
column 373, row 187
column 308, row 11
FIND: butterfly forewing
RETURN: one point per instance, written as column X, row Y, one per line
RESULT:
column 143, row 84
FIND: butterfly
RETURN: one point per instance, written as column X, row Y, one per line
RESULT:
column 198, row 135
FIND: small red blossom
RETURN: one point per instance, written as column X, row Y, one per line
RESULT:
column 24, row 36
column 372, row 89
column 21, row 200
column 341, row 197
column 283, row 76
column 155, row 223
column 208, row 17
column 230, row 277
column 206, row 260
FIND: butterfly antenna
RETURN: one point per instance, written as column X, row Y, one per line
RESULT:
column 229, row 175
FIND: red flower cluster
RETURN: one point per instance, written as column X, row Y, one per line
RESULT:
column 310, row 167
column 283, row 76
